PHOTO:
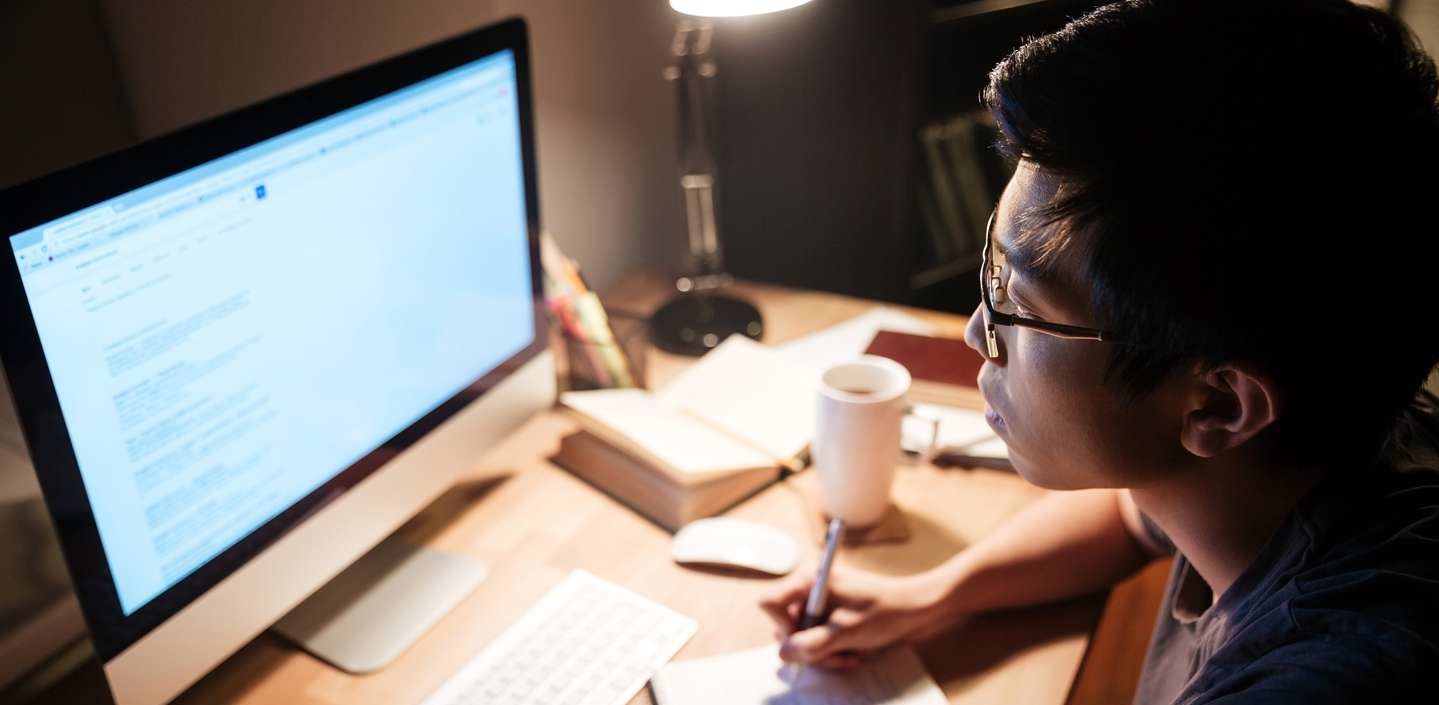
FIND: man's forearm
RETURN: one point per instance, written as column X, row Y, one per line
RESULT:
column 1065, row 545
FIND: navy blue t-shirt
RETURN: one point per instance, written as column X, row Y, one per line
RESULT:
column 1340, row 606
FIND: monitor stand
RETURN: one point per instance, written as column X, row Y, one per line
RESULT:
column 371, row 612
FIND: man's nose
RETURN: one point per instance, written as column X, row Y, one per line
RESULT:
column 974, row 336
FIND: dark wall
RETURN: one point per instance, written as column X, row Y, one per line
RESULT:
column 61, row 92
column 61, row 102
column 813, row 106
column 819, row 114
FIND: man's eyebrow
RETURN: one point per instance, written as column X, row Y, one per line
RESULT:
column 1033, row 246
column 1021, row 259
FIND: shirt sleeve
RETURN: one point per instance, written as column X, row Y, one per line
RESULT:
column 1333, row 670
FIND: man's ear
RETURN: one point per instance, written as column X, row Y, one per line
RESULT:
column 1230, row 405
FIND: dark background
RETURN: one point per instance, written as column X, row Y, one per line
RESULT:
column 818, row 159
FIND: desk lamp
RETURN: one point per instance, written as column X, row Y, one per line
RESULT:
column 697, row 319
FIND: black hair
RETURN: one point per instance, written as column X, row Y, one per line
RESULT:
column 1242, row 180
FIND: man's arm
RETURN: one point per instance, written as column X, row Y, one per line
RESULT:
column 1064, row 545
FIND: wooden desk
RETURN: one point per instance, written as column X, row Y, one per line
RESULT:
column 533, row 522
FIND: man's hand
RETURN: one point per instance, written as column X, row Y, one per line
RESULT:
column 1064, row 545
column 866, row 613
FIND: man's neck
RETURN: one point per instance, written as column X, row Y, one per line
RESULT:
column 1219, row 514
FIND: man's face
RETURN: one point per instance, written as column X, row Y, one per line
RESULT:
column 1066, row 428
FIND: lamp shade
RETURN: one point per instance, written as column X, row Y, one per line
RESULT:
column 732, row 8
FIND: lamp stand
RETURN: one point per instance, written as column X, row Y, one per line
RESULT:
column 698, row 318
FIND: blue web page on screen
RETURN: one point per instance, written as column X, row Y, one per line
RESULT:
column 226, row 340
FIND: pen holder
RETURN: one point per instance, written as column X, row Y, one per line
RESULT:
column 584, row 362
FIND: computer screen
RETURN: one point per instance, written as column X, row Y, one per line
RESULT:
column 225, row 341
column 243, row 354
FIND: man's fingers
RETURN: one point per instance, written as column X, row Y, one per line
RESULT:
column 813, row 645
column 784, row 604
column 784, row 615
column 804, row 647
column 786, row 591
column 779, row 614
column 845, row 618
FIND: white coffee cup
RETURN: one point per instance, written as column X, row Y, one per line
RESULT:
column 856, row 444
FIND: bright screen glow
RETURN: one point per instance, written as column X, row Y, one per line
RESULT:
column 226, row 340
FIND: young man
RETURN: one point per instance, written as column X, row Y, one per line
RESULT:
column 1207, row 306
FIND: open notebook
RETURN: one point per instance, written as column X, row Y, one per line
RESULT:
column 759, row 677
column 740, row 407
column 721, row 431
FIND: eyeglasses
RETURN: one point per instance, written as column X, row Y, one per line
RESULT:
column 994, row 291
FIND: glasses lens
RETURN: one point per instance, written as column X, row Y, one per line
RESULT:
column 994, row 278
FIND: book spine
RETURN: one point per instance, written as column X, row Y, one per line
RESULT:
column 941, row 249
column 625, row 480
column 973, row 188
column 946, row 197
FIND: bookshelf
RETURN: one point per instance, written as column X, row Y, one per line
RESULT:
column 957, row 175
column 825, row 175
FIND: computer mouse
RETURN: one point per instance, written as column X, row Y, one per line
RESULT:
column 735, row 543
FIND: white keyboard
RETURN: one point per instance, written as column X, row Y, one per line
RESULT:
column 586, row 642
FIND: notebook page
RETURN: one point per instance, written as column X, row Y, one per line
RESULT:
column 752, row 393
column 759, row 677
column 683, row 443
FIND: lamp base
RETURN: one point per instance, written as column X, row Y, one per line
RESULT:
column 694, row 323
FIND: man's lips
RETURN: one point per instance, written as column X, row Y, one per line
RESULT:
column 991, row 414
column 996, row 421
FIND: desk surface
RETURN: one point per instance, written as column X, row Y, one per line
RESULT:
column 533, row 522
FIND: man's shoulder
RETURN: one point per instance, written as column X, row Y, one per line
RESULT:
column 1383, row 519
column 1387, row 512
column 1373, row 570
column 1350, row 613
column 1335, row 663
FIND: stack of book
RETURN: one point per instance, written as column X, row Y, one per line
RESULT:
column 742, row 417
column 727, row 427
column 943, row 370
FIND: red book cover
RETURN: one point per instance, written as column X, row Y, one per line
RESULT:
column 929, row 358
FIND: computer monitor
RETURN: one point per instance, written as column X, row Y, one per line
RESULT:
column 244, row 353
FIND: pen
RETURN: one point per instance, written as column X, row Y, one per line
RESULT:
column 814, row 606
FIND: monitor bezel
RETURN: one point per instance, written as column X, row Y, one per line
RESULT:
column 48, row 198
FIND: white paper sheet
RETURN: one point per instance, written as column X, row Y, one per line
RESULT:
column 759, row 677
column 960, row 430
